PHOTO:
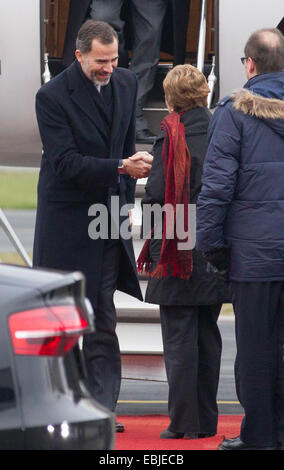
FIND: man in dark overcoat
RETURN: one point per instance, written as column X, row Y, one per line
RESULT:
column 86, row 118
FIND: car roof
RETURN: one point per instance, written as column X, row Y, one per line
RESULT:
column 34, row 277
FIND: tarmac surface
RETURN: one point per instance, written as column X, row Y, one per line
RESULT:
column 138, row 396
column 142, row 395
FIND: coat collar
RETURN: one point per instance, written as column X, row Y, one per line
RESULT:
column 258, row 106
column 91, row 103
column 269, row 110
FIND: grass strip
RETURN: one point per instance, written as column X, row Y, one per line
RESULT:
column 18, row 190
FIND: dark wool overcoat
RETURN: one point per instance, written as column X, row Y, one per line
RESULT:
column 203, row 288
column 82, row 144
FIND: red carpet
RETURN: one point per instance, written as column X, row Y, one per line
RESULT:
column 142, row 433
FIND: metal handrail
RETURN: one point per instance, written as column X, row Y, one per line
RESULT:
column 202, row 36
column 5, row 224
column 211, row 83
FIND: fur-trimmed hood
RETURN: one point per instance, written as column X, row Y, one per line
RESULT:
column 263, row 98
column 258, row 106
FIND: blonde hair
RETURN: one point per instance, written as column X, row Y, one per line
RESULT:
column 185, row 88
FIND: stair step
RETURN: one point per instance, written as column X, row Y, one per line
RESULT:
column 138, row 315
column 141, row 183
column 154, row 120
column 130, row 309
column 137, row 338
column 143, row 367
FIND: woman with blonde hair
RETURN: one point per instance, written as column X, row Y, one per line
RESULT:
column 189, row 297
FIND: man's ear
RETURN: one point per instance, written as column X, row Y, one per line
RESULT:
column 251, row 66
column 78, row 55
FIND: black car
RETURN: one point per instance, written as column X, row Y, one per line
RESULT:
column 44, row 400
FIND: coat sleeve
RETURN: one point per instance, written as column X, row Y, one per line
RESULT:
column 155, row 187
column 129, row 149
column 69, row 165
column 219, row 178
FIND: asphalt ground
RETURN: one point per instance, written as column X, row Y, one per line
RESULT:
column 140, row 397
column 137, row 396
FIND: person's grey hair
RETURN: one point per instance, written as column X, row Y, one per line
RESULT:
column 266, row 48
column 91, row 30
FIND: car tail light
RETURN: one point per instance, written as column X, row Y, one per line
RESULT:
column 48, row 331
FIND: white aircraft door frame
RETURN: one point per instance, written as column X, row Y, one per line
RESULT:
column 237, row 20
column 20, row 78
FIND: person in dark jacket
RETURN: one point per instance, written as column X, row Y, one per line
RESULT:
column 189, row 297
column 86, row 118
column 240, row 230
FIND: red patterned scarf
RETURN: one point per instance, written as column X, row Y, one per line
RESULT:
column 176, row 161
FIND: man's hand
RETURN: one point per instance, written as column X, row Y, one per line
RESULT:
column 138, row 165
column 145, row 156
column 219, row 261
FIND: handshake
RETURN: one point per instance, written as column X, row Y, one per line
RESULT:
column 138, row 165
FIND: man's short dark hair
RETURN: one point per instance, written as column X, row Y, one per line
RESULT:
column 91, row 30
column 266, row 48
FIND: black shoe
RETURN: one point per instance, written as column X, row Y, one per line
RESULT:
column 166, row 434
column 145, row 137
column 198, row 435
column 202, row 435
column 238, row 444
column 119, row 427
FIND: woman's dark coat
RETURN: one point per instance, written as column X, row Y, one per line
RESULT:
column 202, row 288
